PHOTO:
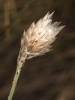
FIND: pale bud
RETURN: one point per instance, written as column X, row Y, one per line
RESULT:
column 38, row 38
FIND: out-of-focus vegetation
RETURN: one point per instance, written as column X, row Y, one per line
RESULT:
column 49, row 77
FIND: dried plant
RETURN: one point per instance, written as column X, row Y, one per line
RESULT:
column 36, row 41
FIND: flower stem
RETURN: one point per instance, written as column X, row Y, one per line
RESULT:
column 18, row 70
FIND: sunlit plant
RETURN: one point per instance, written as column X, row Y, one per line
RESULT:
column 36, row 41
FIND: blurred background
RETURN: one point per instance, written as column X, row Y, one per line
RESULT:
column 48, row 77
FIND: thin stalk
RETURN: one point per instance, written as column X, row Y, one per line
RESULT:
column 18, row 70
column 7, row 19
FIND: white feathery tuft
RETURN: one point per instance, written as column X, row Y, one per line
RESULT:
column 38, row 38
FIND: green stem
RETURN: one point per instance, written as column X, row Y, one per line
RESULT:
column 18, row 70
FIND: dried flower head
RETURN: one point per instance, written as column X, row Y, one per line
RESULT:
column 38, row 38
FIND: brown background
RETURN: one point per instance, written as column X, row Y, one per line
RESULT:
column 48, row 77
